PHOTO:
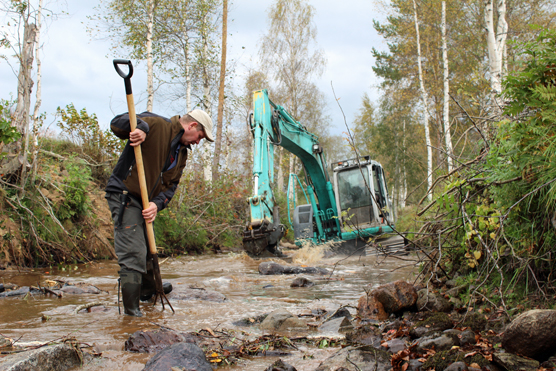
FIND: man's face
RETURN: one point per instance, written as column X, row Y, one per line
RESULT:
column 193, row 134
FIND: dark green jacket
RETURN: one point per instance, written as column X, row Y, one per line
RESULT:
column 158, row 149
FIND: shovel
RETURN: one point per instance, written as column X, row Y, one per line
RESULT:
column 142, row 181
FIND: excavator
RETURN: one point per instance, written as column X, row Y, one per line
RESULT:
column 348, row 207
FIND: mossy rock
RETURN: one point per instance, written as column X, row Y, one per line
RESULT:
column 475, row 321
column 439, row 321
column 441, row 360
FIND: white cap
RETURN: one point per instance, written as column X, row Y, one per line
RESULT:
column 206, row 122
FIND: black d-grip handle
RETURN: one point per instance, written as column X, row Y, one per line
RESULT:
column 127, row 78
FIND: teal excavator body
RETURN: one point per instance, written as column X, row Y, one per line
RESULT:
column 351, row 205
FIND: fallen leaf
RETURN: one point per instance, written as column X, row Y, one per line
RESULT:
column 475, row 365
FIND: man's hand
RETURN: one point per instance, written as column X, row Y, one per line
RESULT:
column 149, row 214
column 136, row 137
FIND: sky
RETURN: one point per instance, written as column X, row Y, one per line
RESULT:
column 79, row 70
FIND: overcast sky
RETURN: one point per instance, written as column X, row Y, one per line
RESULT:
column 79, row 70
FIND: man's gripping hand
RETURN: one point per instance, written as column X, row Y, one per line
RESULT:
column 136, row 137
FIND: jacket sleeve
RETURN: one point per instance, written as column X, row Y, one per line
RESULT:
column 120, row 126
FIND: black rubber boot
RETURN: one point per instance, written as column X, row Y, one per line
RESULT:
column 131, row 290
column 148, row 288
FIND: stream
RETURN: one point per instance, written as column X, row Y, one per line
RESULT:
column 249, row 294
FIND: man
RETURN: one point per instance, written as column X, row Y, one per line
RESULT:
column 164, row 144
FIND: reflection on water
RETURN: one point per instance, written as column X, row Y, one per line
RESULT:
column 234, row 275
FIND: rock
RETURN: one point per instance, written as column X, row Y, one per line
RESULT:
column 433, row 323
column 282, row 320
column 438, row 343
column 21, row 291
column 272, row 268
column 364, row 358
column 457, row 366
column 292, row 324
column 77, row 290
column 5, row 342
column 432, row 302
column 196, row 294
column 455, row 291
column 396, row 345
column 475, row 321
column 467, row 337
column 59, row 357
column 414, row 365
column 532, row 334
column 340, row 312
column 152, row 341
column 302, row 282
column 336, row 325
column 396, row 296
column 512, row 362
column 280, row 365
column 366, row 335
column 251, row 321
column 182, row 356
column 369, row 307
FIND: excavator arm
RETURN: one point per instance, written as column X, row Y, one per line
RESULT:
column 273, row 126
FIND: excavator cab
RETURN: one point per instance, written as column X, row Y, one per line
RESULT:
column 361, row 194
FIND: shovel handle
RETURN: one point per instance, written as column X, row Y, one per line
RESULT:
column 126, row 77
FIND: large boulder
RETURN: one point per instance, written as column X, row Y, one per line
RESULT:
column 393, row 297
column 532, row 334
column 396, row 296
column 59, row 357
column 182, row 356
column 364, row 358
column 152, row 341
column 369, row 307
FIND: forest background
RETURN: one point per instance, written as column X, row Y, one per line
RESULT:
column 464, row 127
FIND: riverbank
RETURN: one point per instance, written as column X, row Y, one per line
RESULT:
column 222, row 302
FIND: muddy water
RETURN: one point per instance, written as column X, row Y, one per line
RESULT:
column 234, row 275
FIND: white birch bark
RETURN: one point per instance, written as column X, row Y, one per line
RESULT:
column 207, row 164
column 424, row 98
column 496, row 43
column 38, row 96
column 280, row 180
column 446, row 110
column 150, row 73
column 403, row 193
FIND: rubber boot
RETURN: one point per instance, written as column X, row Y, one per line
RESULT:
column 148, row 287
column 131, row 290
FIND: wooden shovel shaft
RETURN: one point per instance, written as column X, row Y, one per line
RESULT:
column 141, row 174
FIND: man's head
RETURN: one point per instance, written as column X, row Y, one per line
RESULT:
column 197, row 125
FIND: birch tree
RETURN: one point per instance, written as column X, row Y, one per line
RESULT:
column 286, row 53
column 130, row 25
column 496, row 42
column 220, row 121
column 446, row 110
column 424, row 99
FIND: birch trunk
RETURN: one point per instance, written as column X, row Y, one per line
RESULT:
column 403, row 193
column 424, row 98
column 496, row 43
column 446, row 110
column 280, row 180
column 218, row 139
column 207, row 167
column 38, row 98
column 24, row 88
column 150, row 73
